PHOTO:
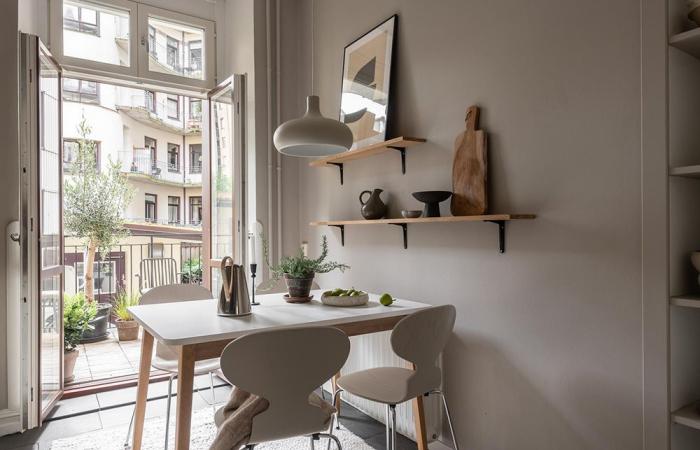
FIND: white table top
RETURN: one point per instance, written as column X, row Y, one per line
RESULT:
column 195, row 322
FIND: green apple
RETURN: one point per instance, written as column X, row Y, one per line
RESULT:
column 386, row 299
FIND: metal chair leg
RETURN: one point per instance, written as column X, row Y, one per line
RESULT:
column 311, row 443
column 127, row 442
column 332, row 437
column 211, row 385
column 336, row 401
column 167, row 410
column 388, row 425
column 393, row 427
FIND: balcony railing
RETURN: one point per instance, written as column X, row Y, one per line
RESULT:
column 158, row 110
column 138, row 161
column 195, row 224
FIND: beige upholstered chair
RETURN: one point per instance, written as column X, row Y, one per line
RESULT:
column 285, row 367
column 418, row 338
column 166, row 358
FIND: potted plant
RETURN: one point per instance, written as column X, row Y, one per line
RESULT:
column 299, row 271
column 77, row 313
column 94, row 201
column 127, row 327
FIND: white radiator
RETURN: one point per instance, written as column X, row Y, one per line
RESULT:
column 374, row 350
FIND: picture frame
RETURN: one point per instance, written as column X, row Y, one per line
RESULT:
column 365, row 98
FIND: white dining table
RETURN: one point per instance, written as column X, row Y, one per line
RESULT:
column 196, row 332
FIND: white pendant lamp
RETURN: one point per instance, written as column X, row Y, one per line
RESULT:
column 312, row 135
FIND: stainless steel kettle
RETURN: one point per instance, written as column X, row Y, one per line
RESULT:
column 233, row 299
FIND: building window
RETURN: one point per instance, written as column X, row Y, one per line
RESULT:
column 173, row 107
column 150, row 101
column 173, row 157
column 149, row 145
column 173, row 210
column 195, row 56
column 70, row 153
column 196, row 110
column 80, row 91
column 152, row 41
column 195, row 158
column 195, row 210
column 173, row 48
column 151, row 214
column 80, row 18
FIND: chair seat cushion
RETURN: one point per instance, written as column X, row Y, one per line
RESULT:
column 200, row 367
column 388, row 385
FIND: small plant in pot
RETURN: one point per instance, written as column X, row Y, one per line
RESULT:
column 299, row 271
column 127, row 327
column 77, row 314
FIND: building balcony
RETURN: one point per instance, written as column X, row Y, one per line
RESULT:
column 138, row 165
column 142, row 108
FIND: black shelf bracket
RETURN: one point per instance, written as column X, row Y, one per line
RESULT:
column 404, row 227
column 501, row 234
column 340, row 166
column 401, row 150
column 342, row 231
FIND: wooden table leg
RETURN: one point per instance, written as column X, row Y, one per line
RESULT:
column 185, row 381
column 142, row 389
column 419, row 420
column 334, row 386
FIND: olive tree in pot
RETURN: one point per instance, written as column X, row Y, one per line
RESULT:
column 94, row 202
column 127, row 327
column 77, row 314
column 299, row 271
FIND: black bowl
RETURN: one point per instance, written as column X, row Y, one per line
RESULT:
column 432, row 196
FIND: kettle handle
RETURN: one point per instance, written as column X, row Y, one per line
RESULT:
column 362, row 194
column 225, row 280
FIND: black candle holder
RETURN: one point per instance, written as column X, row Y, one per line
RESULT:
column 253, row 270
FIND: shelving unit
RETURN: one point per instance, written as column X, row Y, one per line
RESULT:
column 396, row 144
column 687, row 301
column 688, row 416
column 685, row 171
column 688, row 42
column 498, row 219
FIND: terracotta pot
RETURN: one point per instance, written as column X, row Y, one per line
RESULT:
column 128, row 330
column 298, row 288
column 69, row 359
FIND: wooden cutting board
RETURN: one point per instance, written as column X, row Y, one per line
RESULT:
column 469, row 169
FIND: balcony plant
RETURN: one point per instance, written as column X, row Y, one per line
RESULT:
column 94, row 202
column 77, row 314
column 127, row 327
column 192, row 271
column 299, row 271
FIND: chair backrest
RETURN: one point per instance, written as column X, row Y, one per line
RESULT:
column 284, row 367
column 276, row 287
column 171, row 293
column 156, row 272
column 420, row 338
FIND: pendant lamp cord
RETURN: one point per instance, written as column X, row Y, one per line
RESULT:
column 313, row 42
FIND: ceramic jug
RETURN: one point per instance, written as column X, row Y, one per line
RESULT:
column 233, row 299
column 374, row 208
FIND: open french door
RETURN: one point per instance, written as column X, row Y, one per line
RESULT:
column 224, row 178
column 41, row 224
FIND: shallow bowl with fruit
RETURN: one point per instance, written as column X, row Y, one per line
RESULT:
column 345, row 297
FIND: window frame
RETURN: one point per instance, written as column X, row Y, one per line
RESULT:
column 79, row 22
column 152, row 107
column 138, row 69
column 75, row 141
column 192, row 206
column 155, row 207
column 176, row 169
column 192, row 162
column 176, row 99
column 80, row 94
column 176, row 205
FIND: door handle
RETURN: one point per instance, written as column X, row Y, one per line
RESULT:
column 14, row 237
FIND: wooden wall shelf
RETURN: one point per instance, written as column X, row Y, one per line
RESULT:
column 688, row 416
column 688, row 300
column 498, row 219
column 397, row 144
column 685, row 171
column 688, row 42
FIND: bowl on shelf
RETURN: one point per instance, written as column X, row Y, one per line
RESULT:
column 411, row 213
column 432, row 201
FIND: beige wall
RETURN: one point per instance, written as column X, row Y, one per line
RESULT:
column 547, row 351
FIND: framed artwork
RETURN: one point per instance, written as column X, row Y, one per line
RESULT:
column 364, row 102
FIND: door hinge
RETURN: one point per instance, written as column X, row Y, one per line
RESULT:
column 31, row 394
column 31, row 224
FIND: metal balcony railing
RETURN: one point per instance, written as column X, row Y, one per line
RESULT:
column 159, row 110
column 139, row 161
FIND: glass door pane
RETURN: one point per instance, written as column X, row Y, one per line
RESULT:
column 50, row 232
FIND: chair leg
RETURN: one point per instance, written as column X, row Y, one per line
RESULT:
column 311, row 443
column 449, row 419
column 167, row 410
column 211, row 385
column 388, row 427
column 127, row 442
column 336, row 404
column 393, row 427
column 331, row 437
